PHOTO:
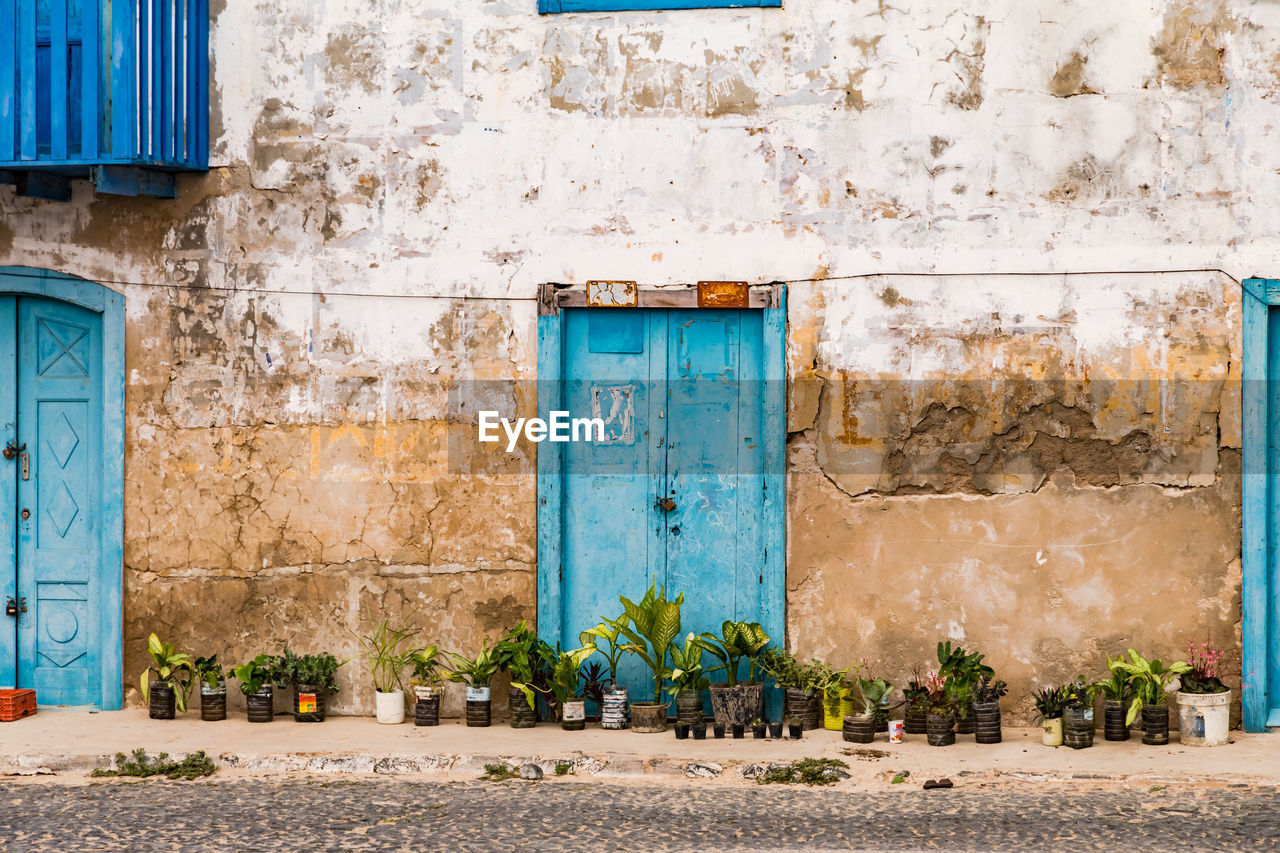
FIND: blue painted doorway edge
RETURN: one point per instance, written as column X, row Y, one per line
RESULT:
column 552, row 302
column 31, row 281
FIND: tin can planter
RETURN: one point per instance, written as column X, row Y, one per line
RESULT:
column 717, row 729
column 688, row 704
column 966, row 723
column 649, row 717
column 803, row 706
column 1077, row 727
column 1155, row 724
column 308, row 703
column 162, row 701
column 613, row 708
column 260, row 706
column 775, row 730
column 987, row 722
column 523, row 715
column 213, row 702
column 940, row 729
column 1113, row 724
column 859, row 729
column 1204, row 719
column 682, row 730
column 913, row 718
column 758, row 731
column 832, row 718
column 741, row 703
column 1051, row 731
column 699, row 729
column 795, row 730
column 479, row 707
column 573, row 716
column 426, row 708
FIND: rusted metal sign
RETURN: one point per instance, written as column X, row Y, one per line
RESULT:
column 723, row 294
column 612, row 294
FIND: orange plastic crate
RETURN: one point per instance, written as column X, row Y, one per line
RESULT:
column 16, row 704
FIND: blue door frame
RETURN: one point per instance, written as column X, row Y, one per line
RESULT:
column 551, row 461
column 106, row 635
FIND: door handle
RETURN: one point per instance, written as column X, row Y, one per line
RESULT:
column 13, row 608
column 664, row 504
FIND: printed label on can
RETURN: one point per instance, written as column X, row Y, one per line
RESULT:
column 575, row 711
column 306, row 703
column 477, row 694
column 895, row 731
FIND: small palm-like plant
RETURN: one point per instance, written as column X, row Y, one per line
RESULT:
column 566, row 673
column 171, row 668
column 610, row 631
column 655, row 623
column 737, row 640
column 1050, row 701
column 476, row 671
column 1149, row 679
column 426, row 666
column 686, row 666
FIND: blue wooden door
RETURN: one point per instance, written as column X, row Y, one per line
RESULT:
column 680, row 395
column 57, row 500
column 8, row 487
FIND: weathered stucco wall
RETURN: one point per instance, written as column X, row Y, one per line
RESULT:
column 286, row 452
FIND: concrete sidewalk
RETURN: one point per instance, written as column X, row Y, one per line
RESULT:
column 72, row 743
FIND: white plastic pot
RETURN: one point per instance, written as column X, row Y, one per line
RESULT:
column 1204, row 718
column 390, row 707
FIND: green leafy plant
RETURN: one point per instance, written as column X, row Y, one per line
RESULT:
column 807, row 771
column 686, row 666
column 208, row 672
column 476, row 671
column 1149, row 680
column 785, row 670
column 1079, row 693
column 737, row 640
column 528, row 659
column 169, row 667
column 499, row 773
column 387, row 649
column 1205, row 662
column 320, row 670
column 1115, row 686
column 819, row 677
column 259, row 672
column 609, row 631
column 654, row 625
column 143, row 766
column 1050, row 701
column 875, row 694
column 989, row 689
column 962, row 671
column 940, row 695
column 566, row 675
column 564, row 769
column 426, row 667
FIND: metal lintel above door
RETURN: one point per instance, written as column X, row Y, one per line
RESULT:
column 552, row 296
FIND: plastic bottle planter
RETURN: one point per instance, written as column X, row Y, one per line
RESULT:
column 741, row 703
column 966, row 724
column 162, row 701
column 573, row 716
column 940, row 729
column 803, row 706
column 523, row 715
column 986, row 722
column 613, row 709
column 426, row 711
column 913, row 719
column 649, row 717
column 1113, row 724
column 213, row 702
column 688, row 704
column 699, row 729
column 260, row 706
column 1155, row 724
column 1204, row 718
column 1077, row 727
column 859, row 729
column 308, row 703
column 832, row 719
column 478, row 706
column 1051, row 731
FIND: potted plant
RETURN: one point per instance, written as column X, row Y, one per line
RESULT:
column 256, row 678
column 528, row 660
column 795, row 728
column 775, row 730
column 387, row 650
column 717, row 729
column 1116, row 698
column 1204, row 702
column 1077, row 713
column 652, row 628
column 699, row 726
column 1150, row 680
column 962, row 671
column 738, row 730
column 758, row 728
column 831, row 685
column 940, row 710
column 687, row 678
column 1049, row 702
column 426, row 690
column 916, row 699
column 173, row 673
column 565, row 681
column 873, row 695
column 475, row 673
column 213, row 689
column 613, row 699
column 314, row 678
column 986, row 709
column 682, row 729
column 738, row 641
column 801, row 702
